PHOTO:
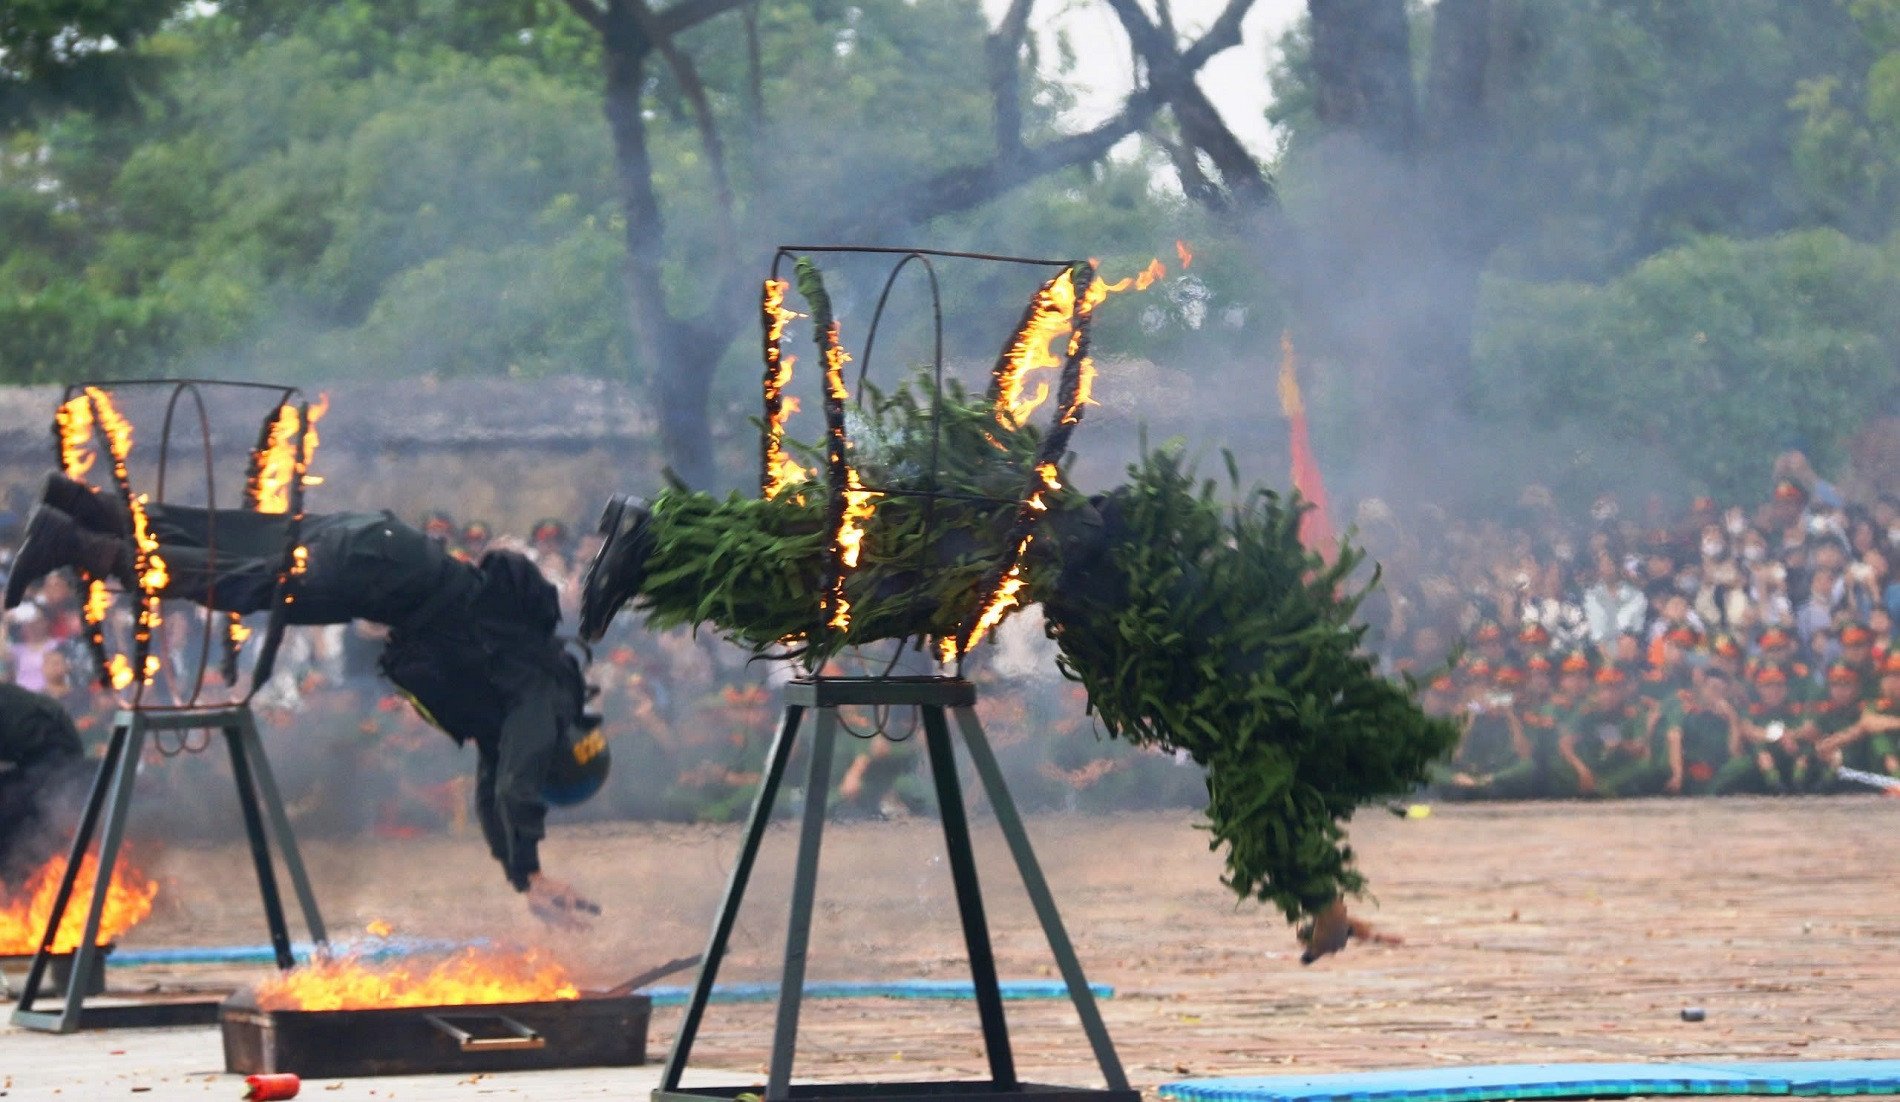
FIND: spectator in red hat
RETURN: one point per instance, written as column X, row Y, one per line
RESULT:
column 1775, row 728
column 1703, row 740
column 1840, row 737
column 1610, row 747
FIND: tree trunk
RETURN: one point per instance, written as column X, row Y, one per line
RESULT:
column 680, row 367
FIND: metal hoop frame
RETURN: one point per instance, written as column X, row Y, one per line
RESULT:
column 286, row 396
column 1083, row 271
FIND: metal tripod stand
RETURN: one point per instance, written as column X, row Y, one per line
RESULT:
column 931, row 696
column 109, row 799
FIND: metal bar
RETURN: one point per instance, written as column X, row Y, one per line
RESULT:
column 811, row 832
column 102, row 781
column 280, row 827
column 523, row 1039
column 260, row 845
column 756, row 823
column 1038, row 888
column 976, row 929
column 111, row 836
column 1037, row 262
column 832, row 692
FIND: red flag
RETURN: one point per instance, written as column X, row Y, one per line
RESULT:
column 1316, row 526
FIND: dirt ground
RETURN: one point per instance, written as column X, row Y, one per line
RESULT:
column 1531, row 932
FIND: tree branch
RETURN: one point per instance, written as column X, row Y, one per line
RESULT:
column 590, row 15
column 687, row 76
column 691, row 13
column 959, row 189
column 1003, row 52
column 1201, row 124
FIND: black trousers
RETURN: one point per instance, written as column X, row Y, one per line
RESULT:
column 357, row 566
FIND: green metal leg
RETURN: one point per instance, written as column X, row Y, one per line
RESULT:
column 260, row 846
column 976, row 928
column 811, row 833
column 104, row 783
column 273, row 802
column 1037, row 886
column 762, row 802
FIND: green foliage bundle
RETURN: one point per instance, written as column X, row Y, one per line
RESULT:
column 1193, row 626
column 754, row 568
column 1212, row 630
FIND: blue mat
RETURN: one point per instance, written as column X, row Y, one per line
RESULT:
column 1508, row 1081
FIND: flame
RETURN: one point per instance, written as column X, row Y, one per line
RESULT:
column 470, row 976
column 858, row 507
column 780, row 470
column 378, row 928
column 24, row 913
column 1182, row 250
column 280, row 463
column 1045, row 322
column 299, row 559
column 1007, row 592
column 238, row 632
column 1050, row 317
column 149, row 566
column 74, row 422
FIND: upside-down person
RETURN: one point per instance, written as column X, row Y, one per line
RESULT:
column 472, row 645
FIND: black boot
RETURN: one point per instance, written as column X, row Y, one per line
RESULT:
column 52, row 540
column 618, row 567
column 101, row 512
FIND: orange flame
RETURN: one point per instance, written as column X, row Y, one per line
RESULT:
column 858, row 506
column 280, row 463
column 150, row 567
column 1186, row 254
column 1147, row 277
column 780, row 469
column 1047, row 321
column 471, row 976
column 24, row 913
column 76, row 451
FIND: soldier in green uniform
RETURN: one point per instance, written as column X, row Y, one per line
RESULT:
column 1835, row 727
column 1872, row 742
column 1495, row 759
column 1610, row 748
column 1857, row 653
column 1777, row 650
column 1703, row 740
column 1775, row 729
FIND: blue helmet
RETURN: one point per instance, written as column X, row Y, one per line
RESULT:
column 579, row 767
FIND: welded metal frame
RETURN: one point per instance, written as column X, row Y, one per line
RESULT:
column 933, row 697
column 108, row 801
column 107, row 805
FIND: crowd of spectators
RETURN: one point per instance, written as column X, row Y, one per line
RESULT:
column 1721, row 647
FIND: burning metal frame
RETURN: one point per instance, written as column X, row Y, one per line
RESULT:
column 1061, row 308
column 279, row 471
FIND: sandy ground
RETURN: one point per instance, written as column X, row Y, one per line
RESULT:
column 1531, row 932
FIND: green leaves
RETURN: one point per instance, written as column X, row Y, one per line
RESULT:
column 1213, row 631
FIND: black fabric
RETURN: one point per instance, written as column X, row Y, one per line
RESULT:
column 472, row 647
column 41, row 761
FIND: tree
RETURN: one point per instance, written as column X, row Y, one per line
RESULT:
column 684, row 335
column 73, row 53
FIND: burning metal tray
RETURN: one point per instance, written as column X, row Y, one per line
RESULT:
column 947, row 1091
column 591, row 1031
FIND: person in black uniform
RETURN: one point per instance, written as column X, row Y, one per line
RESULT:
column 472, row 644
column 41, row 762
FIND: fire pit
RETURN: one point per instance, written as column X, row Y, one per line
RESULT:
column 591, row 1031
column 478, row 1010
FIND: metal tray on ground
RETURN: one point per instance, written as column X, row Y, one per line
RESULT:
column 950, row 1091
column 591, row 1031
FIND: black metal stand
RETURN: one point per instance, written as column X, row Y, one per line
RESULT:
column 931, row 695
column 111, row 794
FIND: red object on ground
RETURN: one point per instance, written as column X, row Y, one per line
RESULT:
column 278, row 1085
